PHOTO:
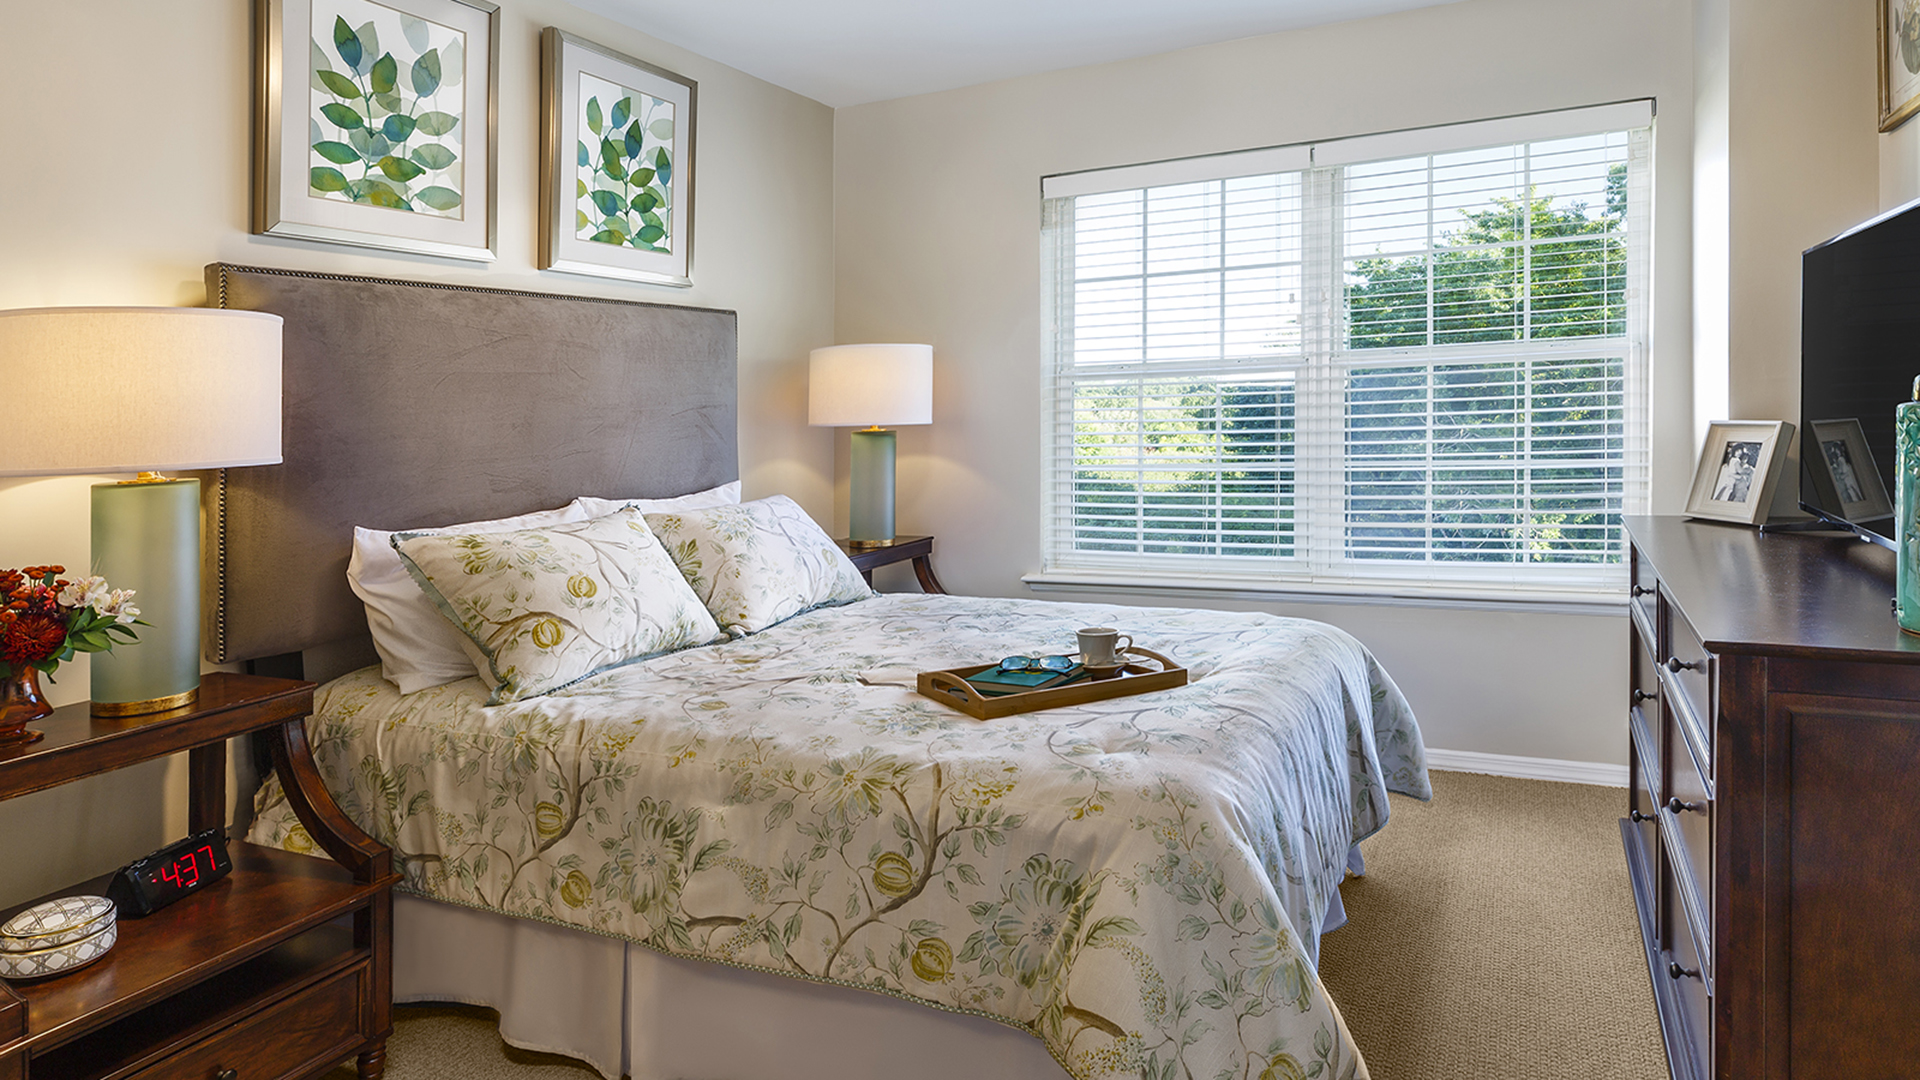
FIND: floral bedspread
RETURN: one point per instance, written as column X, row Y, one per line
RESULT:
column 1140, row 882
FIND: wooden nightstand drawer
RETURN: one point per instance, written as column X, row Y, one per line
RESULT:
column 312, row 1028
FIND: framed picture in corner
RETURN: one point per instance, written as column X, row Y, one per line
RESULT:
column 1739, row 467
column 374, row 123
column 1899, row 61
column 1843, row 470
column 616, row 171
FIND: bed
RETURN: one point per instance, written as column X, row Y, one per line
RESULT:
column 766, row 856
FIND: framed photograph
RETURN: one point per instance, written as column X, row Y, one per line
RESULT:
column 374, row 123
column 616, row 176
column 1843, row 470
column 1739, row 468
column 1899, row 61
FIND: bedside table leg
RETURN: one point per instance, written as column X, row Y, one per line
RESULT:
column 923, row 569
column 372, row 1063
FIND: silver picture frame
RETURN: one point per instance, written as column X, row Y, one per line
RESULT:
column 1740, row 465
column 594, row 219
column 435, row 198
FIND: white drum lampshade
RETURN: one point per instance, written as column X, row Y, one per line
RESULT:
column 134, row 389
column 869, row 386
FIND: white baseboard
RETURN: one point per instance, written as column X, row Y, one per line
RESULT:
column 1529, row 768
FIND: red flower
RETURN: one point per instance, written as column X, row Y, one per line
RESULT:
column 33, row 636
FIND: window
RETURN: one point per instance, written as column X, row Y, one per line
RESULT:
column 1402, row 361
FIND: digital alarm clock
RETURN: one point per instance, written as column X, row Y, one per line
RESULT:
column 148, row 884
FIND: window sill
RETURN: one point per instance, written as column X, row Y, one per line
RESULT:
column 1463, row 596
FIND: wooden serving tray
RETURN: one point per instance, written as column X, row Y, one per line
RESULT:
column 950, row 687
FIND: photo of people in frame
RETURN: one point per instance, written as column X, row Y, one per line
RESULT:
column 1840, row 463
column 1737, row 465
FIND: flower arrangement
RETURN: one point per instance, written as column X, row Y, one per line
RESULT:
column 47, row 619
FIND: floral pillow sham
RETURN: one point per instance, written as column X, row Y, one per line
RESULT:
column 758, row 563
column 544, row 608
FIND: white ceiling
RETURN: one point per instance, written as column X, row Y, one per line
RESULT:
column 848, row 52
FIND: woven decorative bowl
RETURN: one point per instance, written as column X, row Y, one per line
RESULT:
column 59, row 959
column 57, row 936
column 56, row 922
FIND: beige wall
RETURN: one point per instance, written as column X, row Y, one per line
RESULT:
column 938, row 206
column 104, row 204
column 1802, row 165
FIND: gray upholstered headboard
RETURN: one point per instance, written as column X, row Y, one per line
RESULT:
column 413, row 405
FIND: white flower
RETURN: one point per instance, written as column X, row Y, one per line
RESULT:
column 93, row 592
column 82, row 593
column 120, row 606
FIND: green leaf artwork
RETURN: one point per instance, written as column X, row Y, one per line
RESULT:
column 624, row 167
column 386, row 109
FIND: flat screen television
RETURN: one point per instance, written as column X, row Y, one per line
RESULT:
column 1859, row 354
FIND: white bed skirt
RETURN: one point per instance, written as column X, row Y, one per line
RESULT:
column 627, row 1010
column 630, row 1011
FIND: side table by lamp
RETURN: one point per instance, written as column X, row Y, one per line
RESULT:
column 144, row 390
column 868, row 386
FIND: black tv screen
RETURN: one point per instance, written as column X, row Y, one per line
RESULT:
column 1859, row 354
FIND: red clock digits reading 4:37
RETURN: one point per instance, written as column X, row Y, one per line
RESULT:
column 184, row 872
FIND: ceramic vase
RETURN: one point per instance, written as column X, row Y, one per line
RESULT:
column 1906, row 483
column 21, row 702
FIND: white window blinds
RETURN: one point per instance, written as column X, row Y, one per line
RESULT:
column 1416, row 369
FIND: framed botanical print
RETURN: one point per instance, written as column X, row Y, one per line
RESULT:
column 1739, row 467
column 616, row 177
column 1899, row 61
column 375, row 123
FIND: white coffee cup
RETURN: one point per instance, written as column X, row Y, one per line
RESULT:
column 1100, row 646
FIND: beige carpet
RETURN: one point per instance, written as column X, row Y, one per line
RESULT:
column 1493, row 938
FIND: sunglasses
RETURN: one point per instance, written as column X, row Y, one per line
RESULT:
column 1037, row 663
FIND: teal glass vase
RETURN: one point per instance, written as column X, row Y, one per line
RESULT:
column 1906, row 483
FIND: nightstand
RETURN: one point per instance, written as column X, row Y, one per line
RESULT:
column 917, row 548
column 281, row 970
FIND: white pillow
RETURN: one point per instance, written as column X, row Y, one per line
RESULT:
column 758, row 563
column 727, row 494
column 418, row 647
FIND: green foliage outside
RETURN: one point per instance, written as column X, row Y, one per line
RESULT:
column 1437, row 453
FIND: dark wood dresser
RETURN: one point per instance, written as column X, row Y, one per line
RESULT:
column 1775, row 726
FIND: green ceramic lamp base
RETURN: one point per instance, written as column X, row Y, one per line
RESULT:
column 870, row 489
column 146, row 537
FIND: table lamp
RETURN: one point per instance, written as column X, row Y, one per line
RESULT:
column 867, row 386
column 143, row 390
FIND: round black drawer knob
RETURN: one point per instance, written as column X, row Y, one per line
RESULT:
column 227, row 1074
column 1642, row 590
column 1676, row 805
column 1643, row 695
column 1638, row 817
column 1675, row 971
column 1677, row 665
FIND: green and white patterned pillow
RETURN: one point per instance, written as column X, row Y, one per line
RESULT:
column 758, row 563
column 544, row 608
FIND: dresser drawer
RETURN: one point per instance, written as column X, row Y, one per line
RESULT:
column 1643, row 586
column 312, row 1028
column 1687, row 975
column 1643, row 805
column 1643, row 706
column 1687, row 823
column 1690, row 677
